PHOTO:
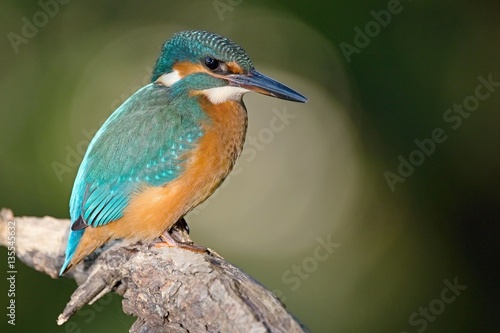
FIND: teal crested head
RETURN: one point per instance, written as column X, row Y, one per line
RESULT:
column 215, row 65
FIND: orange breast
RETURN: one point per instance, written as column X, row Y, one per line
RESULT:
column 156, row 209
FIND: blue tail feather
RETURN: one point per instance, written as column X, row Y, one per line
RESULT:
column 73, row 240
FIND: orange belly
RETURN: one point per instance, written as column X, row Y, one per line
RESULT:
column 155, row 209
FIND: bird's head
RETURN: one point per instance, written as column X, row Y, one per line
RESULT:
column 214, row 66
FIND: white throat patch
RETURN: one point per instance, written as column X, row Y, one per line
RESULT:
column 169, row 79
column 223, row 94
column 215, row 95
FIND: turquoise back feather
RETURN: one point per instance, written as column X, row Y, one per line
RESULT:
column 141, row 143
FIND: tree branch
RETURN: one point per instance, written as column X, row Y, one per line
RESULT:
column 167, row 289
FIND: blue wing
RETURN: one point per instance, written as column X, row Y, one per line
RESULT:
column 142, row 142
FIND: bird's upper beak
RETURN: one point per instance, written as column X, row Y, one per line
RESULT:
column 260, row 83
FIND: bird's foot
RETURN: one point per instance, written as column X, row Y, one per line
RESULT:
column 178, row 236
column 180, row 231
column 166, row 240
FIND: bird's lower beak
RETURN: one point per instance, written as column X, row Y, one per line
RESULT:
column 260, row 83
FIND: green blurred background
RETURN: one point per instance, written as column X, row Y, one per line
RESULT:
column 318, row 178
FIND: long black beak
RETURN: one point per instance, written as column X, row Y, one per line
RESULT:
column 260, row 83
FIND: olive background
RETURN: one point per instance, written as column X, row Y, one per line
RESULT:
column 311, row 174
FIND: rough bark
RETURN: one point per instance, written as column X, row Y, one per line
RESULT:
column 167, row 289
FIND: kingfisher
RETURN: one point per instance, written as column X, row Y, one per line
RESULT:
column 168, row 147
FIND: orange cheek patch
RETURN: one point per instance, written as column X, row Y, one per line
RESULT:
column 234, row 68
column 187, row 68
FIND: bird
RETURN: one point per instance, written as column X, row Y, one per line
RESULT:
column 168, row 147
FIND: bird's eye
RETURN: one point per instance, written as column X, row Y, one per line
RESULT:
column 211, row 63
